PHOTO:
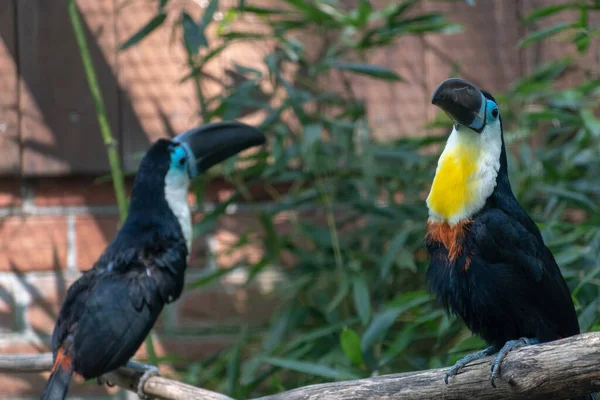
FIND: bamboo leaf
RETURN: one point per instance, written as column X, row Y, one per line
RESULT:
column 375, row 71
column 310, row 368
column 350, row 342
column 548, row 10
column 144, row 31
column 362, row 302
column 545, row 33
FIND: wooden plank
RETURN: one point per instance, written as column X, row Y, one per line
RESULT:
column 154, row 103
column 59, row 126
column 486, row 51
column 557, row 47
column 10, row 157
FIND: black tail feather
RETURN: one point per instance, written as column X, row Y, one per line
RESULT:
column 58, row 384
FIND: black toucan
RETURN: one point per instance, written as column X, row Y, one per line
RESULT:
column 488, row 262
column 110, row 309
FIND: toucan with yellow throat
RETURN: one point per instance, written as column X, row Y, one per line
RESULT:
column 488, row 262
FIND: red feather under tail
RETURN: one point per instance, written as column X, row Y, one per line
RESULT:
column 58, row 383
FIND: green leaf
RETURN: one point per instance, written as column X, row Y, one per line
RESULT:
column 375, row 71
column 591, row 122
column 589, row 315
column 208, row 278
column 362, row 301
column 385, row 319
column 310, row 368
column 261, row 10
column 209, row 12
column 571, row 254
column 311, row 11
column 545, row 33
column 317, row 334
column 547, row 11
column 569, row 195
column 390, row 255
column 234, row 363
column 145, row 30
column 586, row 279
column 363, row 12
column 342, row 291
column 232, row 35
column 193, row 35
column 350, row 342
column 399, row 345
column 271, row 239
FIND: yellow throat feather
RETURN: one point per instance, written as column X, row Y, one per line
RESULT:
column 454, row 187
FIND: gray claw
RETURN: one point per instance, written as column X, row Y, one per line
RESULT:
column 460, row 364
column 147, row 371
column 507, row 348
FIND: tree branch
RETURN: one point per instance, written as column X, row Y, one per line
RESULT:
column 557, row 370
column 156, row 386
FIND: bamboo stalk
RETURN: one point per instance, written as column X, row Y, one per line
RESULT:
column 109, row 141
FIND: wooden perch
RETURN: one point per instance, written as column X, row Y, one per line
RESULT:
column 556, row 370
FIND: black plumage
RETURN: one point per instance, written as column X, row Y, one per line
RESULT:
column 493, row 269
column 512, row 286
column 117, row 302
column 111, row 308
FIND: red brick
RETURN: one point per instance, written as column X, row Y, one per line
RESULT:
column 42, row 315
column 75, row 191
column 199, row 307
column 10, row 192
column 93, row 234
column 33, row 243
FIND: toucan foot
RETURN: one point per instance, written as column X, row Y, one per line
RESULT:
column 102, row 381
column 467, row 359
column 507, row 348
column 147, row 372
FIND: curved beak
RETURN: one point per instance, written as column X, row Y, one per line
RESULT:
column 210, row 144
column 462, row 101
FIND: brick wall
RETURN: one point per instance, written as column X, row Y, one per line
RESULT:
column 52, row 229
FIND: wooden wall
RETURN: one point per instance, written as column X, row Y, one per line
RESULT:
column 48, row 125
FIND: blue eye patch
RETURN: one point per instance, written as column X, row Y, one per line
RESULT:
column 179, row 158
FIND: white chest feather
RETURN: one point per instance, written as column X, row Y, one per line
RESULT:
column 176, row 190
column 466, row 174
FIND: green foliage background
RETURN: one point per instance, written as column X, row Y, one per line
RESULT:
column 355, row 303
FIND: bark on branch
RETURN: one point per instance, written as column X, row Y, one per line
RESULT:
column 557, row 370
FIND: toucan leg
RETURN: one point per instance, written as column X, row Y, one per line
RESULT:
column 507, row 348
column 147, row 372
column 467, row 359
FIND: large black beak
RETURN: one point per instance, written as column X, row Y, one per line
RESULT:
column 210, row 144
column 462, row 101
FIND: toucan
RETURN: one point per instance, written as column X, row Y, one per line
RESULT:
column 489, row 264
column 110, row 309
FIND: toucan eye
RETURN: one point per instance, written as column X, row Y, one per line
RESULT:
column 182, row 161
column 495, row 113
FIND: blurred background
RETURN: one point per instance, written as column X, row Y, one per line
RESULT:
column 308, row 262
